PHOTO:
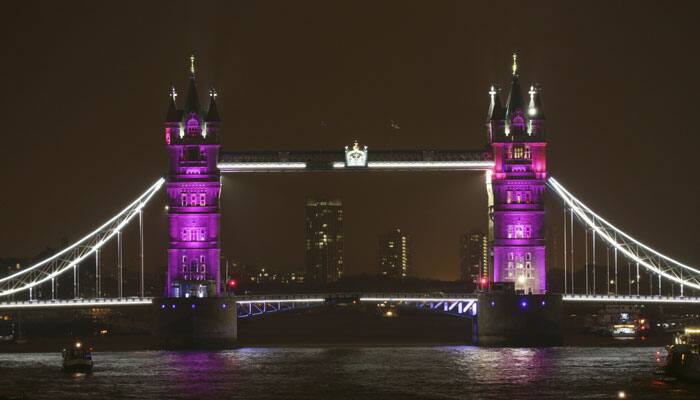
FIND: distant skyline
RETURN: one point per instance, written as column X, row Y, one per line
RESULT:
column 85, row 91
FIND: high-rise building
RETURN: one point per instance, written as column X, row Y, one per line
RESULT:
column 324, row 240
column 474, row 257
column 395, row 254
column 517, row 136
column 194, row 184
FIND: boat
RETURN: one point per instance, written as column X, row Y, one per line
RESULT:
column 77, row 358
column 683, row 359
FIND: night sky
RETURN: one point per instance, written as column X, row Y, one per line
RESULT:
column 85, row 89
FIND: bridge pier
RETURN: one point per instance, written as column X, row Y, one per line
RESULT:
column 510, row 319
column 209, row 322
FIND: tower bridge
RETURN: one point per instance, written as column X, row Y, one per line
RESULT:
column 515, row 179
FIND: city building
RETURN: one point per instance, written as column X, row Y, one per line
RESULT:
column 324, row 241
column 517, row 137
column 474, row 257
column 395, row 254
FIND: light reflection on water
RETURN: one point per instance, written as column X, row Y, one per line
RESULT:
column 462, row 372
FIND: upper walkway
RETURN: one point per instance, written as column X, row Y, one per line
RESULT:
column 329, row 160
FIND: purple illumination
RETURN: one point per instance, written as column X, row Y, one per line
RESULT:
column 543, row 303
column 223, row 305
column 523, row 304
column 516, row 134
column 162, row 306
column 173, row 306
column 194, row 184
column 493, row 303
column 193, row 306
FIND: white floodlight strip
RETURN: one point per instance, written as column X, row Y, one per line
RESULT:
column 338, row 164
column 77, row 303
column 479, row 165
column 142, row 199
column 261, row 301
column 630, row 299
column 251, row 166
column 667, row 258
column 416, row 299
column 574, row 203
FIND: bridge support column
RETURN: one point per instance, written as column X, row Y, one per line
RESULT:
column 507, row 318
column 196, row 323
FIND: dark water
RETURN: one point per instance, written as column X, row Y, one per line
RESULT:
column 349, row 373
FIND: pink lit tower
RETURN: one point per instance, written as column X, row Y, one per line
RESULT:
column 516, row 134
column 194, row 184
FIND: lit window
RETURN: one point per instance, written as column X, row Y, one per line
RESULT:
column 518, row 152
column 202, row 199
column 193, row 200
column 528, row 256
column 518, row 197
column 511, row 256
column 527, row 152
column 528, row 265
column 183, row 200
column 509, row 196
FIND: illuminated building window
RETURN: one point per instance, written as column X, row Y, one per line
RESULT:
column 184, row 260
column 192, row 126
column 527, row 197
column 527, row 152
column 193, row 200
column 183, row 199
column 518, row 152
column 519, row 231
column 528, row 265
column 509, row 196
column 202, row 199
column 528, row 256
column 518, row 197
column 511, row 256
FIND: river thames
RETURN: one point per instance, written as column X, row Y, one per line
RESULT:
column 459, row 372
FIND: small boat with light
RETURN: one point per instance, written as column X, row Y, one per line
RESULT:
column 77, row 358
column 683, row 359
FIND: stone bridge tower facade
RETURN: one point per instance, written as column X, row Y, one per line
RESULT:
column 193, row 186
column 517, row 139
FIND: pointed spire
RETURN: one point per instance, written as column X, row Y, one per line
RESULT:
column 192, row 101
column 534, row 109
column 495, row 109
column 515, row 97
column 172, row 115
column 192, row 65
column 213, row 112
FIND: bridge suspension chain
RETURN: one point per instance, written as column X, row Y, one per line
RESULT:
column 634, row 250
column 69, row 258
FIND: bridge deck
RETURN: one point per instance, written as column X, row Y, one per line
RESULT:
column 363, row 297
column 328, row 160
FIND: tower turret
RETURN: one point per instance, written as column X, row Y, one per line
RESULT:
column 518, row 184
column 194, row 184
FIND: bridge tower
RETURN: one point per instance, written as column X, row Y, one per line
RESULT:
column 193, row 186
column 517, row 138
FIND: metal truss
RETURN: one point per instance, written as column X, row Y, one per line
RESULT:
column 250, row 306
column 71, row 256
column 620, row 241
column 460, row 305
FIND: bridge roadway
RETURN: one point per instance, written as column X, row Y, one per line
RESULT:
column 446, row 302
